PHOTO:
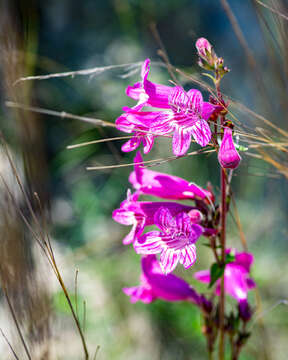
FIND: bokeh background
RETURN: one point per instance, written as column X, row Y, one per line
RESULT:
column 39, row 37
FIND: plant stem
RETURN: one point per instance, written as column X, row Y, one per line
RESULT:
column 223, row 249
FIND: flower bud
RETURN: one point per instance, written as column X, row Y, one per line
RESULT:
column 245, row 312
column 228, row 156
column 195, row 216
column 203, row 47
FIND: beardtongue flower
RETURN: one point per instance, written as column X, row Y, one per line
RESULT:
column 185, row 116
column 175, row 242
column 165, row 186
column 237, row 281
column 141, row 213
column 228, row 156
column 154, row 285
column 147, row 92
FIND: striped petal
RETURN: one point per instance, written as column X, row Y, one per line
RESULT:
column 169, row 260
column 181, row 141
column 188, row 256
column 149, row 243
column 201, row 132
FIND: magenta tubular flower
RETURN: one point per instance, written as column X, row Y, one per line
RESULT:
column 154, row 285
column 175, row 242
column 165, row 186
column 185, row 116
column 237, row 281
column 148, row 93
column 203, row 47
column 141, row 213
column 228, row 156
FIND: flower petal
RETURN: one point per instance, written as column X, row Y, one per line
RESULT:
column 203, row 276
column 148, row 142
column 201, row 132
column 188, row 256
column 169, row 260
column 149, row 243
column 164, row 219
column 181, row 141
column 207, row 110
column 132, row 144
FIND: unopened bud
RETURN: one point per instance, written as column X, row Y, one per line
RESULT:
column 203, row 47
column 228, row 156
column 196, row 216
column 245, row 312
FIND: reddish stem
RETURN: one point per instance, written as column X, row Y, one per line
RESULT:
column 223, row 255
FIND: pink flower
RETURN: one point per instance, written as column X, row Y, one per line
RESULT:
column 141, row 213
column 237, row 281
column 228, row 156
column 176, row 240
column 203, row 47
column 165, row 186
column 154, row 285
column 148, row 93
column 185, row 116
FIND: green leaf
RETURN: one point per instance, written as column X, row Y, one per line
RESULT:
column 229, row 258
column 216, row 272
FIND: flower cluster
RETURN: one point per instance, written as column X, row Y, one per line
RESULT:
column 178, row 226
column 184, row 114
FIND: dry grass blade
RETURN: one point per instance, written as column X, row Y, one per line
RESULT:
column 75, row 146
column 16, row 322
column 272, row 9
column 92, row 71
column 152, row 162
column 10, row 346
column 44, row 241
column 61, row 114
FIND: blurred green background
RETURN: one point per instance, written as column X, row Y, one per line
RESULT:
column 70, row 35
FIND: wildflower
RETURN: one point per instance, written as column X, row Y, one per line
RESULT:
column 147, row 92
column 165, row 186
column 185, row 116
column 141, row 213
column 237, row 281
column 154, row 285
column 228, row 156
column 175, row 242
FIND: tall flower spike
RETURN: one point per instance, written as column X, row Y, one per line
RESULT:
column 237, row 281
column 228, row 156
column 154, row 285
column 175, row 242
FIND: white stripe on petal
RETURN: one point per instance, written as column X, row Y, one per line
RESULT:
column 201, row 132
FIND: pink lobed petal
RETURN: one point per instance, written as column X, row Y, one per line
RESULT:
column 181, row 141
column 149, row 243
column 168, row 260
column 203, row 276
column 148, row 142
column 131, row 144
column 164, row 219
column 201, row 132
column 207, row 110
column 188, row 256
